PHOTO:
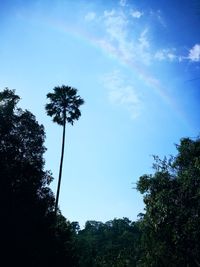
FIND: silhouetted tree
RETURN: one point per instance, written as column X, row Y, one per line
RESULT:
column 171, row 225
column 29, row 235
column 110, row 244
column 63, row 107
column 27, row 202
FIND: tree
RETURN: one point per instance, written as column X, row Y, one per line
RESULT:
column 29, row 234
column 171, row 225
column 27, row 202
column 63, row 107
column 110, row 244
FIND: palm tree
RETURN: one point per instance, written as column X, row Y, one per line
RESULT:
column 63, row 106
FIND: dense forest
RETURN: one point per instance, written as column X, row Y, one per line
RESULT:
column 35, row 233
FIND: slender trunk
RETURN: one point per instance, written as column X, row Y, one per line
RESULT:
column 61, row 164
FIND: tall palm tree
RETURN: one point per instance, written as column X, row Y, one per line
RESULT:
column 63, row 106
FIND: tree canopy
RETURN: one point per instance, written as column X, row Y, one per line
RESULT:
column 64, row 104
column 171, row 223
column 110, row 244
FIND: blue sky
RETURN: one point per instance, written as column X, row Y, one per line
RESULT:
column 136, row 64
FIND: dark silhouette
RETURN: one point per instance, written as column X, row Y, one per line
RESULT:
column 63, row 107
column 29, row 235
column 111, row 244
column 170, row 225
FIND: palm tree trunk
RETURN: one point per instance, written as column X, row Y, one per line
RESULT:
column 61, row 164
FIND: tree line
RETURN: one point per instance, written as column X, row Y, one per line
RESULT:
column 35, row 233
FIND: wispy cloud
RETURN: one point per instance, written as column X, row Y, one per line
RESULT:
column 172, row 55
column 144, row 47
column 136, row 14
column 90, row 16
column 194, row 53
column 158, row 16
column 122, row 93
column 115, row 25
column 161, row 19
column 118, row 35
column 124, row 35
column 166, row 55
column 122, row 3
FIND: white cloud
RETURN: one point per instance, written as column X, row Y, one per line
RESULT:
column 143, row 49
column 166, row 54
column 122, row 2
column 122, row 93
column 107, row 13
column 160, row 55
column 90, row 16
column 144, row 43
column 117, row 30
column 120, row 40
column 115, row 24
column 171, row 56
column 194, row 53
column 136, row 14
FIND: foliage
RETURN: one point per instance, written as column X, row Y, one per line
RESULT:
column 171, row 225
column 29, row 234
column 110, row 244
column 64, row 104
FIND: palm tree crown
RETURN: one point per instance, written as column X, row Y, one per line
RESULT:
column 64, row 105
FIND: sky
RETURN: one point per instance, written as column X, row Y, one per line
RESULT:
column 137, row 66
